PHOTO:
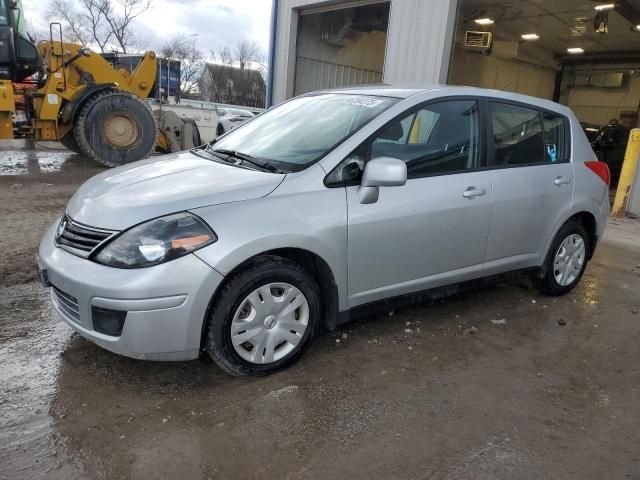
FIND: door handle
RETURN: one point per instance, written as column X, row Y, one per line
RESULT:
column 472, row 192
column 561, row 181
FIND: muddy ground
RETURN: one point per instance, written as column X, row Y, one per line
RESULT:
column 544, row 388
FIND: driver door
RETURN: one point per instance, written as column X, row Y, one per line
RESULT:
column 433, row 230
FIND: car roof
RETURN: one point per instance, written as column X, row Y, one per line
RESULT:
column 405, row 91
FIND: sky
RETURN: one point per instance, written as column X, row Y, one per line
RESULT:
column 217, row 23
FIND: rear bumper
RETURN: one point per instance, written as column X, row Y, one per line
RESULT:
column 165, row 305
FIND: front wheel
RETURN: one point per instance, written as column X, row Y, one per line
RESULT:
column 565, row 262
column 115, row 127
column 263, row 318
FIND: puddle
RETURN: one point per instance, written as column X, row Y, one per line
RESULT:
column 32, row 162
column 31, row 341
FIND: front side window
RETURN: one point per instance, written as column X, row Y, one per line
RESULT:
column 297, row 133
column 437, row 139
column 517, row 135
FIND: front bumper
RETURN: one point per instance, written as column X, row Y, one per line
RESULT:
column 166, row 304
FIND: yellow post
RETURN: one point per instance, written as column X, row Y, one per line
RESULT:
column 414, row 136
column 7, row 109
column 627, row 174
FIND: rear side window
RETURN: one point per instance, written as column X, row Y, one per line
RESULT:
column 526, row 136
column 517, row 135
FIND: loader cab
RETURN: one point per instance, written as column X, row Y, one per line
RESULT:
column 19, row 56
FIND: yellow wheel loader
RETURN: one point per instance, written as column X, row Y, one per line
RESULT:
column 64, row 92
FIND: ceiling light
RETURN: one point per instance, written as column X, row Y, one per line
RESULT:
column 637, row 27
column 483, row 21
column 605, row 6
column 530, row 36
column 575, row 50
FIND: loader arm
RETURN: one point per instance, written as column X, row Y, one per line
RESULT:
column 75, row 71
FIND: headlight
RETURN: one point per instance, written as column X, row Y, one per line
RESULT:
column 156, row 241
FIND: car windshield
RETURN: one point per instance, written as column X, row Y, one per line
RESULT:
column 298, row 133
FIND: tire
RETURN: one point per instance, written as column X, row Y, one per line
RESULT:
column 232, row 301
column 545, row 280
column 69, row 142
column 114, row 128
column 220, row 130
column 197, row 141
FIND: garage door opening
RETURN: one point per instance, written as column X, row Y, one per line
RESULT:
column 580, row 53
column 341, row 47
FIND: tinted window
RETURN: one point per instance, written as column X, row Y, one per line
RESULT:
column 517, row 135
column 554, row 137
column 440, row 138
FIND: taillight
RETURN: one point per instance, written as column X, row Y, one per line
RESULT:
column 601, row 169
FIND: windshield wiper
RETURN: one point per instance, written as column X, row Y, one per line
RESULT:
column 245, row 157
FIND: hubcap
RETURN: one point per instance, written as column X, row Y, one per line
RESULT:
column 120, row 129
column 569, row 260
column 269, row 323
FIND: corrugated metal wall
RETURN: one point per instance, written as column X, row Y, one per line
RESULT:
column 418, row 47
column 312, row 74
column 420, row 40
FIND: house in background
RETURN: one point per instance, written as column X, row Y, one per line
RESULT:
column 232, row 85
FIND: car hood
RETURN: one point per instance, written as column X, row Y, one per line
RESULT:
column 128, row 195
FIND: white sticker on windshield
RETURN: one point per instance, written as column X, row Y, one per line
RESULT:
column 364, row 101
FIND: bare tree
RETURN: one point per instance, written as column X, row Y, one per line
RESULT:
column 119, row 14
column 247, row 53
column 83, row 21
column 181, row 48
column 106, row 24
column 223, row 56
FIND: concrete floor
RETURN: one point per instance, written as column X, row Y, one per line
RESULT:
column 412, row 395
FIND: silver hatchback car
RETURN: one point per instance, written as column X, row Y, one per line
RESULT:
column 334, row 200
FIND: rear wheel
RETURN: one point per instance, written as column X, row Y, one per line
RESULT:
column 263, row 318
column 220, row 129
column 115, row 128
column 566, row 260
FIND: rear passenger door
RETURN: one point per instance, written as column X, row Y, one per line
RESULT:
column 532, row 181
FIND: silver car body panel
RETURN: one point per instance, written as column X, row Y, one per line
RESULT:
column 166, row 304
column 139, row 191
column 421, row 235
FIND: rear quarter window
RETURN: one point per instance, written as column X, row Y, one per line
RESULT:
column 526, row 135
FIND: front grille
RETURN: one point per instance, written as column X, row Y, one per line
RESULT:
column 67, row 304
column 82, row 239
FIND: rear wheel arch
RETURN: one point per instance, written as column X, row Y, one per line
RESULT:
column 589, row 222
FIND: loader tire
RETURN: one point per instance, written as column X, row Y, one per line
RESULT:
column 69, row 142
column 114, row 128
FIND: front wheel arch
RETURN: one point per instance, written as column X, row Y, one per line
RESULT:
column 264, row 268
column 310, row 261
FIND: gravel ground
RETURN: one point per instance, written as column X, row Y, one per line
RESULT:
column 502, row 383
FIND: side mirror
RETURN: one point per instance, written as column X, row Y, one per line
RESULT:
column 381, row 172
